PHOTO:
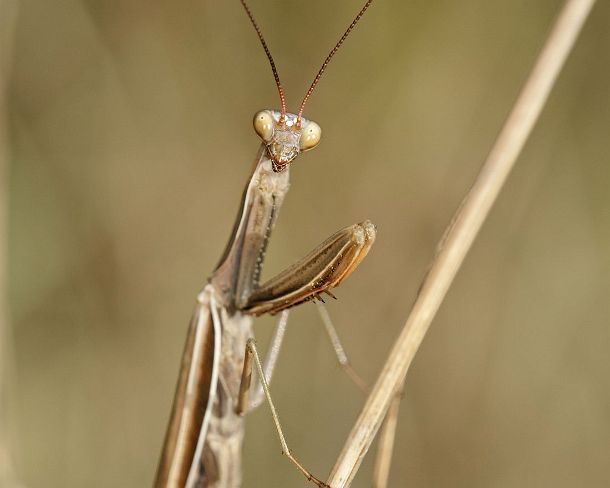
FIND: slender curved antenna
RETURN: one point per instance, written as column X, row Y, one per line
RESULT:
column 271, row 62
column 329, row 57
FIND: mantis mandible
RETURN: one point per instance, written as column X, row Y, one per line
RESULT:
column 204, row 438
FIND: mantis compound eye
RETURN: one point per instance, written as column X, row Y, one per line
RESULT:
column 263, row 125
column 310, row 136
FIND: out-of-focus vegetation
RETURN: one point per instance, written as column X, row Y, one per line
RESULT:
column 129, row 143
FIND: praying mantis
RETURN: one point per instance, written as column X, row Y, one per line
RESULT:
column 98, row 444
column 206, row 428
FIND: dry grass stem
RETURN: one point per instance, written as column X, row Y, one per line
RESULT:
column 461, row 233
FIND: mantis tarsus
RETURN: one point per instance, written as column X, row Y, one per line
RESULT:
column 204, row 436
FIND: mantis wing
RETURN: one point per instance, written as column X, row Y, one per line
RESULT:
column 195, row 392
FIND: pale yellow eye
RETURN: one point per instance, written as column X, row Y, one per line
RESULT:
column 263, row 125
column 310, row 136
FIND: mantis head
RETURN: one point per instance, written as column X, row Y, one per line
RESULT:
column 285, row 136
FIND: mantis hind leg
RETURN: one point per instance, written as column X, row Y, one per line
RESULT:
column 258, row 395
column 252, row 357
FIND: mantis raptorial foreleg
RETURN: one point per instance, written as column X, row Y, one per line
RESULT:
column 324, row 268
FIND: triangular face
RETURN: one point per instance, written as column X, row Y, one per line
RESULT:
column 284, row 147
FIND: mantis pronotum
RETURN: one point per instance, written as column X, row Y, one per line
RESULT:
column 205, row 433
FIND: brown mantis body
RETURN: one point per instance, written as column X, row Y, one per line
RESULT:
column 204, row 437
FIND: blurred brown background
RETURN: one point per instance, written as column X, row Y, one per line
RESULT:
column 129, row 142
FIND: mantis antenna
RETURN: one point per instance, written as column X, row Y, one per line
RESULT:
column 269, row 57
column 315, row 81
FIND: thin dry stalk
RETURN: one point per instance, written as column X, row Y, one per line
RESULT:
column 385, row 447
column 461, row 233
